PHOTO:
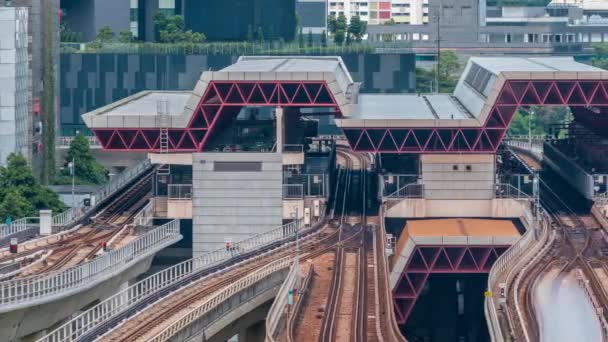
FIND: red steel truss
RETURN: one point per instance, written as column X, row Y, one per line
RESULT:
column 222, row 101
column 439, row 259
column 486, row 139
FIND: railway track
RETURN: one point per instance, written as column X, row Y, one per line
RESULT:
column 352, row 301
column 85, row 243
column 579, row 246
column 149, row 322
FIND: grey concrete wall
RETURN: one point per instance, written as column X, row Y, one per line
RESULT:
column 454, row 180
column 234, row 204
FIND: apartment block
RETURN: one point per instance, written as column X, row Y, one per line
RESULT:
column 14, row 77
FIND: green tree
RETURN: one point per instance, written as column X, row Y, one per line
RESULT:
column 171, row 30
column 20, row 194
column 388, row 37
column 340, row 29
column 448, row 68
column 357, row 28
column 87, row 169
column 310, row 40
column 125, row 36
column 105, row 35
column 331, row 24
column 324, row 38
column 13, row 204
column 67, row 35
column 601, row 58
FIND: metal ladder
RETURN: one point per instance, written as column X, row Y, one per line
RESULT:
column 162, row 110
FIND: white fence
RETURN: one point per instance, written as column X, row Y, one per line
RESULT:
column 85, row 322
column 145, row 216
column 179, row 191
column 43, row 288
column 18, row 226
column 534, row 146
column 73, row 214
column 407, row 191
column 279, row 304
column 65, row 141
column 506, row 261
column 122, row 179
column 219, row 297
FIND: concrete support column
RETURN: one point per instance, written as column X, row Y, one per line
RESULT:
column 280, row 134
column 46, row 222
column 254, row 333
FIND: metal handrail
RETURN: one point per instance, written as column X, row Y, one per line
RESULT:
column 21, row 292
column 66, row 141
column 293, row 191
column 17, row 226
column 68, row 217
column 179, row 191
column 219, row 297
column 122, row 179
column 145, row 215
column 500, row 265
column 412, row 190
column 506, row 190
column 278, row 305
column 96, row 315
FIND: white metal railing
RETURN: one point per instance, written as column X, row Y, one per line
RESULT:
column 535, row 147
column 122, row 179
column 532, row 256
column 88, row 320
column 293, row 191
column 67, row 217
column 145, row 216
column 14, row 293
column 506, row 260
column 408, row 191
column 505, row 190
column 18, row 226
column 219, row 297
column 179, row 191
column 389, row 183
column 73, row 214
column 583, row 282
column 280, row 301
column 313, row 184
column 65, row 141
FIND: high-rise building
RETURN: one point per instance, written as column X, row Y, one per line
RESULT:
column 235, row 19
column 376, row 12
column 14, row 82
column 40, row 13
column 312, row 16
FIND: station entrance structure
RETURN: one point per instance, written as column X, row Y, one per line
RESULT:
column 472, row 120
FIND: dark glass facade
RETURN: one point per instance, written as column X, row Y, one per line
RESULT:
column 231, row 19
column 89, row 81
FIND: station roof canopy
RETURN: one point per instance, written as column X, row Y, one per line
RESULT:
column 474, row 118
column 473, row 98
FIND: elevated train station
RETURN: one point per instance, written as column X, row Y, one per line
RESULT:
column 242, row 153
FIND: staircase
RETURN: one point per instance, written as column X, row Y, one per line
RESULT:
column 162, row 110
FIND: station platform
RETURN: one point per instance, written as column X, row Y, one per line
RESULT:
column 454, row 245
